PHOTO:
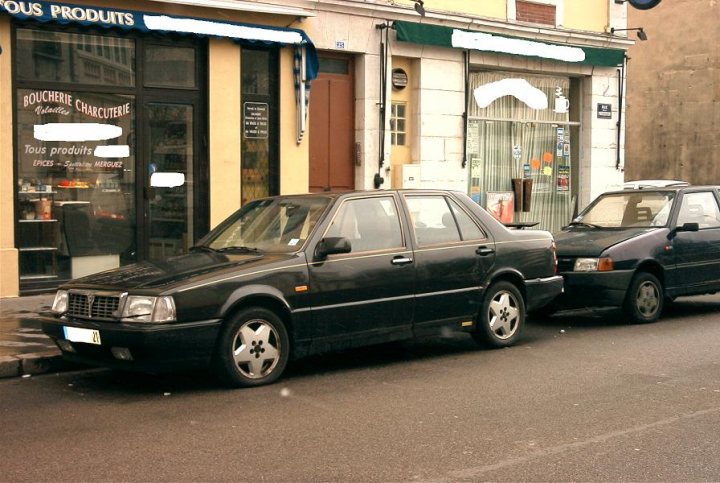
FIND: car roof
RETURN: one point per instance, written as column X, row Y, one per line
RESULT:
column 654, row 183
column 685, row 188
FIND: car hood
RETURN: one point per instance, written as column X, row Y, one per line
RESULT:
column 174, row 271
column 592, row 242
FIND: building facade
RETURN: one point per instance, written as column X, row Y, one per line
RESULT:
column 131, row 128
column 673, row 100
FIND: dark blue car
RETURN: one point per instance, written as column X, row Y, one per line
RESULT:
column 638, row 248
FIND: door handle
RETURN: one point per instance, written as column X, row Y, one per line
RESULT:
column 400, row 260
column 484, row 251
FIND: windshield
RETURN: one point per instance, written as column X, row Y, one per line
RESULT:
column 270, row 225
column 624, row 210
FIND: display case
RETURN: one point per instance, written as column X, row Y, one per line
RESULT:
column 37, row 233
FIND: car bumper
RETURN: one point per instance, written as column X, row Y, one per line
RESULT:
column 539, row 292
column 595, row 289
column 152, row 347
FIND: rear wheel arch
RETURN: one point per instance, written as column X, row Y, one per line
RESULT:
column 512, row 277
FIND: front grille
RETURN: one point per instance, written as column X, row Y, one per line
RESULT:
column 89, row 305
column 566, row 264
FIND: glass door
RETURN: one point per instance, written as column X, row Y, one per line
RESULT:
column 169, row 193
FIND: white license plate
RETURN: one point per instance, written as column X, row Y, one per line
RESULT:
column 75, row 334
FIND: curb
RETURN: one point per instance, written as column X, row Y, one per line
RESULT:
column 34, row 364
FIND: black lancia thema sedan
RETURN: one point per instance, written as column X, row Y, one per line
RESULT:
column 637, row 248
column 289, row 276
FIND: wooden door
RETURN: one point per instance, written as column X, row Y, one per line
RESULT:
column 332, row 125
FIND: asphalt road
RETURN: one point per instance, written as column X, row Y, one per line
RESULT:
column 584, row 397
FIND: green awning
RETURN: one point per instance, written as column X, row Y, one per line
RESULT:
column 441, row 36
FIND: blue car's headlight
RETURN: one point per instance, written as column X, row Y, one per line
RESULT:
column 604, row 264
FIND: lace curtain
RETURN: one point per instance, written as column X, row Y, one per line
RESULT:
column 509, row 140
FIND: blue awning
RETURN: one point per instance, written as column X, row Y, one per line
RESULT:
column 133, row 20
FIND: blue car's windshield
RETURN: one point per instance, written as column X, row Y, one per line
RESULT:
column 270, row 225
column 632, row 209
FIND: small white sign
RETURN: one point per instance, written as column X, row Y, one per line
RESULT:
column 340, row 44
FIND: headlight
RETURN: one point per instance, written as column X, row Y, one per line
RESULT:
column 604, row 264
column 60, row 304
column 140, row 308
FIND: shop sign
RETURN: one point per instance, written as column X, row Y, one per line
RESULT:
column 604, row 111
column 89, row 133
column 255, row 120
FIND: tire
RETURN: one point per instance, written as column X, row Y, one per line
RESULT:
column 502, row 316
column 262, row 344
column 644, row 299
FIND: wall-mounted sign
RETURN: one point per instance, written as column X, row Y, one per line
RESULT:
column 340, row 44
column 604, row 111
column 255, row 120
column 399, row 78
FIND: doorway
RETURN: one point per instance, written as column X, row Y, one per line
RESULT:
column 332, row 125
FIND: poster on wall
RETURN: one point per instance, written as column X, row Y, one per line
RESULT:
column 501, row 205
column 563, row 178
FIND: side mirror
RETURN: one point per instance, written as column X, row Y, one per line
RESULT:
column 689, row 227
column 331, row 246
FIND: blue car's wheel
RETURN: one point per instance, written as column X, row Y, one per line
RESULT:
column 644, row 298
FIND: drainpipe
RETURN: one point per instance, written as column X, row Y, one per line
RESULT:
column 466, row 74
column 384, row 28
column 621, row 84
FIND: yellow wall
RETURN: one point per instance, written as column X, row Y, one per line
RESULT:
column 9, row 285
column 590, row 15
column 401, row 154
column 481, row 8
column 224, row 128
column 294, row 158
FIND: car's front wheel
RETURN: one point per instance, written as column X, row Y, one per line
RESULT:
column 502, row 316
column 253, row 348
column 644, row 298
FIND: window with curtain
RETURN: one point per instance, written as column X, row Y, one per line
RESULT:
column 519, row 129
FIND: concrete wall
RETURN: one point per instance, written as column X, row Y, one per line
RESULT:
column 673, row 98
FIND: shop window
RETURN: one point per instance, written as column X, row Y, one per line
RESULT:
column 521, row 144
column 398, row 123
column 169, row 66
column 65, row 57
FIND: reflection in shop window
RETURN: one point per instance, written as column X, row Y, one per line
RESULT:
column 74, row 58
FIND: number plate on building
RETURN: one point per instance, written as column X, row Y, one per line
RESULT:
column 75, row 334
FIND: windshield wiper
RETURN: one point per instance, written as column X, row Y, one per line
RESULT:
column 202, row 248
column 241, row 249
column 582, row 223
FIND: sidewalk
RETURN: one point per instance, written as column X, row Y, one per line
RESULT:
column 24, row 349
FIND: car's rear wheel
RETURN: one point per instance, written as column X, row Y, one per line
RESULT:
column 253, row 348
column 644, row 298
column 502, row 316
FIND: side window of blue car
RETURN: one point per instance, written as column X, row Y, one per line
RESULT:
column 701, row 208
